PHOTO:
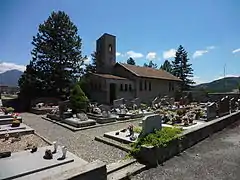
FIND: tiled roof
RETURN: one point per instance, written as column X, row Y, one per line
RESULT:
column 109, row 76
column 149, row 72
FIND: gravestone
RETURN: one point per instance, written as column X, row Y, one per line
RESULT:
column 118, row 102
column 136, row 101
column 232, row 105
column 82, row 116
column 224, row 106
column 104, row 107
column 211, row 111
column 151, row 123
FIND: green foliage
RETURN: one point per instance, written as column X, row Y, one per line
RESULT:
column 131, row 61
column 56, row 59
column 9, row 110
column 181, row 68
column 150, row 65
column 160, row 138
column 137, row 129
column 167, row 66
column 181, row 112
column 143, row 106
column 92, row 67
column 78, row 100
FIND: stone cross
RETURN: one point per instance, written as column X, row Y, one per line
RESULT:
column 151, row 123
column 211, row 111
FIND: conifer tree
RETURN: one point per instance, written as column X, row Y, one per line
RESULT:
column 56, row 58
column 131, row 61
column 182, row 69
column 167, row 66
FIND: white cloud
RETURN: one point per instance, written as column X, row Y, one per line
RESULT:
column 134, row 55
column 151, row 56
column 118, row 54
column 6, row 66
column 236, row 50
column 199, row 80
column 169, row 54
column 87, row 60
column 211, row 47
column 199, row 53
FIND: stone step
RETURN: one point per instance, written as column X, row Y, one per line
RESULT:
column 126, row 172
column 119, row 165
column 113, row 143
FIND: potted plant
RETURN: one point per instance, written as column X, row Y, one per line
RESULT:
column 9, row 110
column 16, row 123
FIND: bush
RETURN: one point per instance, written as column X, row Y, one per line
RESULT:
column 159, row 138
column 78, row 100
column 9, row 110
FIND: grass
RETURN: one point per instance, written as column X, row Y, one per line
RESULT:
column 159, row 138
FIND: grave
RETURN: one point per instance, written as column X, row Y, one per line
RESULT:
column 121, row 136
column 35, row 166
column 76, row 122
column 118, row 102
column 8, row 120
column 233, row 105
column 211, row 111
column 151, row 123
column 101, row 118
column 22, row 129
column 224, row 106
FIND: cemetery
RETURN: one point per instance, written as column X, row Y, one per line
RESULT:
column 155, row 132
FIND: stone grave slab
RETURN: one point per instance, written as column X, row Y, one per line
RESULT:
column 24, row 163
column 118, row 102
column 4, row 116
column 122, row 137
column 78, row 123
column 8, row 120
column 22, row 129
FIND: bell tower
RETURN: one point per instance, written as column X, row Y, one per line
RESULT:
column 106, row 53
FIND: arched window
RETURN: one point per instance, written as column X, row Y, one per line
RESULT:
column 110, row 48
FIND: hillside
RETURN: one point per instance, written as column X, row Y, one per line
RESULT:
column 10, row 78
column 218, row 85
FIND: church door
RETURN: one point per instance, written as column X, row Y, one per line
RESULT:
column 112, row 92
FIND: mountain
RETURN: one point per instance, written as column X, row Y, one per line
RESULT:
column 10, row 78
column 227, row 84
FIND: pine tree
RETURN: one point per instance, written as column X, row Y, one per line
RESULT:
column 92, row 67
column 131, row 61
column 181, row 68
column 56, row 56
column 78, row 99
column 150, row 65
column 167, row 66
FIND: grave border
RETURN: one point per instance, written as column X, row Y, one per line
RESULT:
column 87, row 127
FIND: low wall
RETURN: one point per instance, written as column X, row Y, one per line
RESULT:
column 91, row 171
column 218, row 96
column 153, row 156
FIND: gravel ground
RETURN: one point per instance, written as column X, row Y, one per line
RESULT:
column 21, row 145
column 215, row 158
column 81, row 143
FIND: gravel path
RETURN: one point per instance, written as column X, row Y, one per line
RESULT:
column 215, row 158
column 22, row 144
column 81, row 143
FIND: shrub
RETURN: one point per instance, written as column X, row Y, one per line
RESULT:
column 159, row 138
column 137, row 129
column 9, row 110
column 78, row 100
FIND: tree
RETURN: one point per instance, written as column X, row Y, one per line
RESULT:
column 78, row 100
column 151, row 65
column 181, row 68
column 131, row 61
column 92, row 67
column 56, row 58
column 167, row 66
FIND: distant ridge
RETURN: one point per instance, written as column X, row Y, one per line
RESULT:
column 10, row 78
column 227, row 84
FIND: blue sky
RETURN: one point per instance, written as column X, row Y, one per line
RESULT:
column 146, row 30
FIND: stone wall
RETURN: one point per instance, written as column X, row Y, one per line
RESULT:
column 153, row 156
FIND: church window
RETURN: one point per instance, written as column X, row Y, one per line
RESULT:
column 126, row 87
column 140, row 85
column 110, row 48
column 121, row 87
column 145, row 85
column 130, row 87
column 149, row 86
